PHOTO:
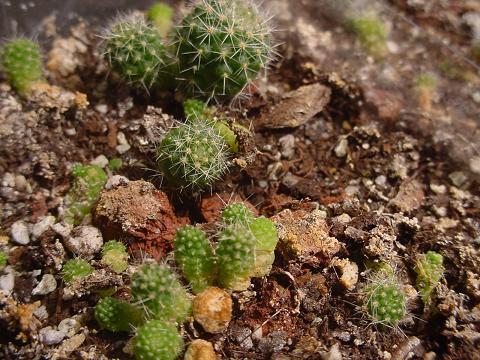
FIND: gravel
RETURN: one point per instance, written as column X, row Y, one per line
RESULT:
column 49, row 336
column 43, row 225
column 20, row 233
column 47, row 285
column 84, row 241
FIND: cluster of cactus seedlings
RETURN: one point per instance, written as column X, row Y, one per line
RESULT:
column 22, row 63
column 429, row 269
column 215, row 51
column 245, row 248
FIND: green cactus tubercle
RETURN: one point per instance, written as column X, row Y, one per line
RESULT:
column 156, row 287
column 236, row 213
column 193, row 155
column 89, row 181
column 157, row 340
column 429, row 269
column 221, row 47
column 194, row 255
column 117, row 315
column 21, row 61
column 76, row 268
column 115, row 255
column 136, row 51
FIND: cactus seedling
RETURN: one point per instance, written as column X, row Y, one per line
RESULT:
column 221, row 47
column 135, row 50
column 157, row 288
column 266, row 240
column 235, row 257
column 89, row 182
column 117, row 315
column 157, row 340
column 195, row 256
column 22, row 64
column 384, row 299
column 193, row 155
column 161, row 16
column 76, row 268
column 371, row 33
column 429, row 269
column 236, row 213
column 114, row 255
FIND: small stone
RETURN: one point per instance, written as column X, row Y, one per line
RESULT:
column 7, row 281
column 84, row 241
column 69, row 326
column 43, row 225
column 381, row 180
column 41, row 313
column 351, row 190
column 341, row 149
column 475, row 164
column 47, row 285
column 62, row 229
column 212, row 309
column 438, row 189
column 200, row 350
column 8, row 180
column 70, row 345
column 102, row 108
column 287, row 146
column 21, row 183
column 410, row 196
column 121, row 138
column 458, row 178
column 100, row 160
column 476, row 97
column 49, row 336
column 20, row 233
column 349, row 270
column 393, row 47
column 116, row 180
column 333, row 354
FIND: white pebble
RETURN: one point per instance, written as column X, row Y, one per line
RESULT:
column 287, row 146
column 20, row 233
column 69, row 326
column 62, row 229
column 341, row 150
column 49, row 336
column 47, row 285
column 381, row 180
column 84, row 241
column 7, row 281
column 100, row 160
column 475, row 164
column 43, row 225
column 116, row 180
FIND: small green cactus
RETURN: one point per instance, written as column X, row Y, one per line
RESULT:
column 157, row 288
column 76, row 268
column 3, row 259
column 429, row 269
column 117, row 315
column 266, row 238
column 193, row 156
column 236, row 213
column 371, row 33
column 221, row 46
column 157, row 340
column 115, row 164
column 115, row 255
column 136, row 51
column 21, row 61
column 235, row 257
column 197, row 110
column 161, row 16
column 88, row 183
column 384, row 299
column 194, row 255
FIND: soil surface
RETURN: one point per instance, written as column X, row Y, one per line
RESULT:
column 354, row 161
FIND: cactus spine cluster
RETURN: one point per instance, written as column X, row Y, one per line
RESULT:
column 193, row 155
column 115, row 255
column 76, row 268
column 117, row 315
column 21, row 61
column 157, row 340
column 195, row 256
column 156, row 287
column 384, row 298
column 429, row 269
column 135, row 50
column 88, row 183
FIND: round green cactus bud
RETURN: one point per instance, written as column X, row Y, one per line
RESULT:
column 193, row 156
column 384, row 299
column 161, row 16
column 76, row 268
column 158, row 289
column 222, row 45
column 114, row 255
column 235, row 257
column 157, row 340
column 236, row 213
column 429, row 269
column 117, row 315
column 194, row 255
column 21, row 61
column 89, row 181
column 135, row 50
column 266, row 238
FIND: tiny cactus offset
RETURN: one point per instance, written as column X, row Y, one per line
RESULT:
column 156, row 287
column 161, row 16
column 236, row 213
column 193, row 155
column 76, row 268
column 429, row 269
column 266, row 239
column 221, row 47
column 194, row 255
column 115, row 255
column 117, row 315
column 21, row 61
column 157, row 340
